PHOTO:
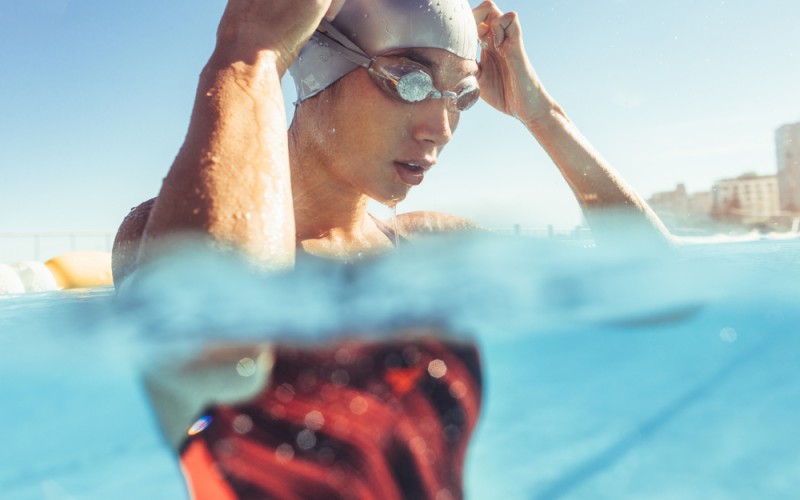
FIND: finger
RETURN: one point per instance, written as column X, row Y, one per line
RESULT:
column 513, row 28
column 482, row 12
column 333, row 10
column 504, row 27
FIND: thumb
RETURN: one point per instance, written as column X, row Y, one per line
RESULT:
column 333, row 10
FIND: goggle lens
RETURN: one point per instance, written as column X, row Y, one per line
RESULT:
column 410, row 82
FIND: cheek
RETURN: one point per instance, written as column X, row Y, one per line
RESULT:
column 454, row 119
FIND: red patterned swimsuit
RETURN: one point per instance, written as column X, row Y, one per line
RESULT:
column 357, row 420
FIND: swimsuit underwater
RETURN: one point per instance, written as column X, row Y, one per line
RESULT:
column 354, row 420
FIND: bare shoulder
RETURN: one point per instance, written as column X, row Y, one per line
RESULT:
column 129, row 236
column 416, row 224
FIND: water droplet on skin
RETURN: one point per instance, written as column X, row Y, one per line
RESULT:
column 394, row 224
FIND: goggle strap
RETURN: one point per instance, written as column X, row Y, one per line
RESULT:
column 352, row 51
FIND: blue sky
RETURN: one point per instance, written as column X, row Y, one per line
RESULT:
column 95, row 99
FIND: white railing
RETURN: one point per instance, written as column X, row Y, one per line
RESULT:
column 41, row 246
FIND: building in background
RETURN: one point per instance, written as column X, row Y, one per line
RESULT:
column 681, row 210
column 787, row 146
column 749, row 199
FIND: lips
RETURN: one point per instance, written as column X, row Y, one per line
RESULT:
column 412, row 172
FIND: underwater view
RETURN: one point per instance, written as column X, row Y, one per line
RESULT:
column 399, row 249
column 607, row 374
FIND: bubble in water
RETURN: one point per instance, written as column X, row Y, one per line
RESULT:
column 242, row 424
column 418, row 445
column 284, row 452
column 343, row 356
column 728, row 334
column 359, row 405
column 306, row 439
column 314, row 420
column 246, row 367
column 340, row 378
column 277, row 411
column 437, row 368
column 326, row 456
column 444, row 494
column 284, row 393
column 452, row 433
column 458, row 389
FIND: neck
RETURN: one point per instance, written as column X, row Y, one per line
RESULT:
column 325, row 207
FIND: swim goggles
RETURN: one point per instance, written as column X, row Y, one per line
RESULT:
column 401, row 78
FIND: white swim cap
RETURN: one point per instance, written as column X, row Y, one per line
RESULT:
column 378, row 26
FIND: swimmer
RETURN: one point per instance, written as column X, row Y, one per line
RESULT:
column 378, row 100
column 241, row 179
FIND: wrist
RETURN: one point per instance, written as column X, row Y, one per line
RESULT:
column 547, row 114
column 242, row 56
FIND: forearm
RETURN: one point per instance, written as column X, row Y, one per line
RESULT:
column 510, row 84
column 612, row 208
column 230, row 179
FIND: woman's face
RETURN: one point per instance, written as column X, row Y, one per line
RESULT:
column 380, row 146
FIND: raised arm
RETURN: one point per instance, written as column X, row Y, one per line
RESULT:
column 509, row 83
column 230, row 179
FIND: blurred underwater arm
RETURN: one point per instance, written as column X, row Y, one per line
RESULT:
column 509, row 83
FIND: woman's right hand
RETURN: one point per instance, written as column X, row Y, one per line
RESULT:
column 281, row 27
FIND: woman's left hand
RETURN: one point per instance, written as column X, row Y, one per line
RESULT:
column 507, row 79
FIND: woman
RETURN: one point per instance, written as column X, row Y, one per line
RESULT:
column 241, row 180
column 381, row 87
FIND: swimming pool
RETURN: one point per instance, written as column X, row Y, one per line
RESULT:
column 609, row 374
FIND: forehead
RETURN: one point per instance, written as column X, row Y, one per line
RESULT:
column 443, row 64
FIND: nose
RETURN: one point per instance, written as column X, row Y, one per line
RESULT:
column 434, row 123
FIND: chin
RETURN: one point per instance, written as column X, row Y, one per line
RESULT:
column 392, row 197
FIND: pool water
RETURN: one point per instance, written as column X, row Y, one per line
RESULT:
column 608, row 373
